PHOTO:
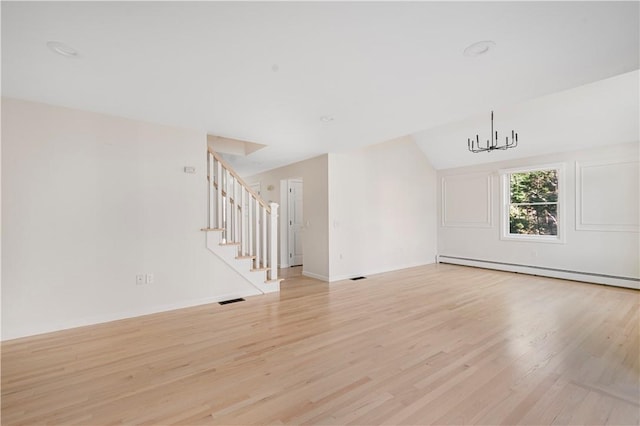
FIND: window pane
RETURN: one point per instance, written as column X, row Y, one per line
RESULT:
column 540, row 186
column 534, row 220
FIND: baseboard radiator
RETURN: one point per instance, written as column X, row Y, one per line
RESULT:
column 618, row 281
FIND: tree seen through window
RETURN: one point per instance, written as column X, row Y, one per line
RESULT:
column 533, row 203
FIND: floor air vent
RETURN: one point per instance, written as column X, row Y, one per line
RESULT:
column 358, row 278
column 225, row 302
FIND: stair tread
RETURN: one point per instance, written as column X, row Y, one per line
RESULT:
column 211, row 229
column 277, row 280
column 260, row 269
column 230, row 243
column 245, row 257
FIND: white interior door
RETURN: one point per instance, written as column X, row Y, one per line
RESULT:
column 295, row 221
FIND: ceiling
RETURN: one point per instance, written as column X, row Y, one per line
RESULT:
column 266, row 72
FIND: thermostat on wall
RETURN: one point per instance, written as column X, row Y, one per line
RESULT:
column 189, row 169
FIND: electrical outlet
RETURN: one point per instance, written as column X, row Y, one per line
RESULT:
column 149, row 278
column 139, row 279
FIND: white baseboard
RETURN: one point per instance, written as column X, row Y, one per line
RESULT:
column 316, row 276
column 627, row 282
column 377, row 271
column 99, row 319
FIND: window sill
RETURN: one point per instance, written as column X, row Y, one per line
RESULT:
column 534, row 238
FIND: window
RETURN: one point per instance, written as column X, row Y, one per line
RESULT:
column 532, row 204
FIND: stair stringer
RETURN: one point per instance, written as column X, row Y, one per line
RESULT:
column 229, row 253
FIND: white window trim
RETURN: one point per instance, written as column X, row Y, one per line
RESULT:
column 505, row 200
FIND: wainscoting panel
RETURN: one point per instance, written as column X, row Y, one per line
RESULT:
column 466, row 200
column 607, row 196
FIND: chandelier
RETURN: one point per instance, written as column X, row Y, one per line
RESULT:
column 474, row 145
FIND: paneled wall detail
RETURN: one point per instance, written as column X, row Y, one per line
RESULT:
column 466, row 200
column 607, row 196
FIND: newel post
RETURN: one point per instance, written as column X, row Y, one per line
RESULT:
column 273, row 242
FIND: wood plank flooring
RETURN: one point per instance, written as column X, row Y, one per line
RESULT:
column 439, row 344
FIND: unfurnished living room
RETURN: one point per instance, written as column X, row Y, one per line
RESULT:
column 398, row 213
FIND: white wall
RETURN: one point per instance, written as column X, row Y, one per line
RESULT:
column 601, row 220
column 88, row 202
column 381, row 209
column 315, row 235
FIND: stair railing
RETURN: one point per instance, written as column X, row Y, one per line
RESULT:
column 243, row 217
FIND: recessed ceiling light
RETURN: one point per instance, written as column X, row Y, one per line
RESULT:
column 62, row 49
column 479, row 48
column 326, row 118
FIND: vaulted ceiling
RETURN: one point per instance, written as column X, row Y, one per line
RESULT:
column 268, row 72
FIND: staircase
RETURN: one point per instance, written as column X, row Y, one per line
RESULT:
column 243, row 228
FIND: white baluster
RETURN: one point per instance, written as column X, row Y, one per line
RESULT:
column 264, row 237
column 225, row 210
column 257, row 232
column 210, row 183
column 236, row 208
column 273, row 242
column 250, row 227
column 231, row 219
column 219, row 194
column 243, row 228
column 230, row 203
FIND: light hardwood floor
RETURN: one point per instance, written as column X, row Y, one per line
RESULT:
column 436, row 344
